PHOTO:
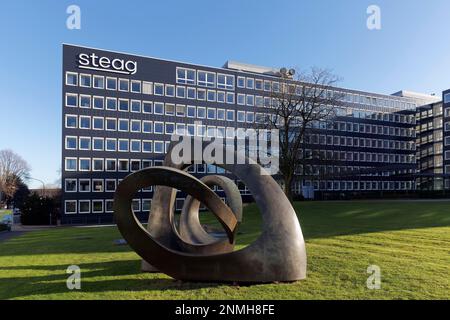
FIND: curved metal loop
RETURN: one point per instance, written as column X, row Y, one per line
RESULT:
column 277, row 255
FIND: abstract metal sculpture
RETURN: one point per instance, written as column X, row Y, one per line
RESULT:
column 192, row 254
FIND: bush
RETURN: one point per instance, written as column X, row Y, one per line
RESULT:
column 36, row 210
column 3, row 227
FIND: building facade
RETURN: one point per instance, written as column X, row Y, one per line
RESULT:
column 120, row 111
column 446, row 115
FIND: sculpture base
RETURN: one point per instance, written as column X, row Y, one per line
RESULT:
column 147, row 267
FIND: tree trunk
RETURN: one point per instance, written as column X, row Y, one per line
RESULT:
column 288, row 187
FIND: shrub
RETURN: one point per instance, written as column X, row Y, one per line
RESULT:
column 36, row 210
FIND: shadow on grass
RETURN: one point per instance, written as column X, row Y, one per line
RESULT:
column 105, row 272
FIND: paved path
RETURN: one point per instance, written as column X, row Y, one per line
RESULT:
column 6, row 235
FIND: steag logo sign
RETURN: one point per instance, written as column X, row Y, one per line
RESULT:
column 94, row 62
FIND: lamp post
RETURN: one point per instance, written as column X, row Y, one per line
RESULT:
column 43, row 195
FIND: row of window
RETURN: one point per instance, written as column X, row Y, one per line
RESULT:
column 363, row 171
column 208, row 79
column 102, row 206
column 359, row 142
column 360, row 185
column 364, row 128
column 333, row 155
column 109, row 103
column 127, row 165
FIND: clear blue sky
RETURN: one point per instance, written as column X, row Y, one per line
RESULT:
column 411, row 51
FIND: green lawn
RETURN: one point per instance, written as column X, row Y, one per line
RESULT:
column 409, row 241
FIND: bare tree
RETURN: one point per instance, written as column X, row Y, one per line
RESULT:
column 13, row 169
column 297, row 106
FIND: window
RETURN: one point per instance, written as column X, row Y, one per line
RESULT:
column 110, row 185
column 211, row 113
column 170, row 90
column 201, row 130
column 123, row 145
column 85, row 80
column 241, row 116
column 147, row 87
column 97, row 206
column 111, row 104
column 159, row 108
column 250, row 83
column 146, row 204
column 71, row 78
column 201, row 94
column 147, row 107
column 85, row 101
column 220, row 114
column 71, row 121
column 124, row 125
column 135, row 146
column 97, row 165
column 124, row 105
column 250, row 117
column 147, row 146
column 447, row 98
column 111, row 165
column 185, row 76
column 97, row 144
column 230, row 115
column 201, row 112
column 258, row 84
column 191, row 93
column 70, row 206
column 230, row 97
column 109, row 205
column 136, row 205
column 85, row 143
column 70, row 185
column 111, row 144
column 241, row 82
column 170, row 109
column 124, row 85
column 71, row 143
column 135, row 165
column 123, row 165
column 241, row 99
column 71, row 100
column 99, row 82
column 206, row 79
column 191, row 111
column 84, row 164
column 250, row 100
column 158, row 127
column 71, row 164
column 147, row 126
column 447, row 155
column 85, row 206
column 181, row 110
column 180, row 129
column 225, row 81
column 159, row 147
column 170, row 128
column 181, row 92
column 98, row 123
column 211, row 95
column 111, row 124
column 135, row 86
column 135, row 106
column 135, row 125
column 221, row 96
column 158, row 89
column 85, row 122
column 111, row 83
column 97, row 185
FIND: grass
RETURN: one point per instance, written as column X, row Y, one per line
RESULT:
column 409, row 241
